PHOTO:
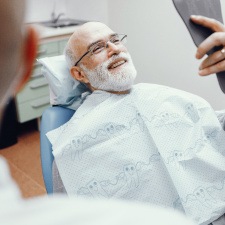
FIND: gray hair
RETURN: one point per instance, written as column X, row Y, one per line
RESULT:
column 70, row 55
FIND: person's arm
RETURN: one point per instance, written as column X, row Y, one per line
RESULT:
column 215, row 62
column 9, row 192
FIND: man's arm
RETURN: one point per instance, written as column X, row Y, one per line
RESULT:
column 9, row 192
column 215, row 62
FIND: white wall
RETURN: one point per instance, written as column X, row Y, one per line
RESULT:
column 40, row 10
column 161, row 47
column 96, row 10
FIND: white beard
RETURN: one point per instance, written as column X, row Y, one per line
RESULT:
column 102, row 79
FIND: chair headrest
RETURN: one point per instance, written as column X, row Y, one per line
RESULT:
column 64, row 89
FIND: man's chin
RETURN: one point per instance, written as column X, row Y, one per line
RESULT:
column 113, row 87
column 123, row 84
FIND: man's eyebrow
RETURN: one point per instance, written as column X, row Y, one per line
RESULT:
column 93, row 43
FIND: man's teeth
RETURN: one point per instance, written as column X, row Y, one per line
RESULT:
column 117, row 64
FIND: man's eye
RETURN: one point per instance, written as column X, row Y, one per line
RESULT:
column 115, row 41
column 97, row 49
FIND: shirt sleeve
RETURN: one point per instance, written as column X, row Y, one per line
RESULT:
column 9, row 192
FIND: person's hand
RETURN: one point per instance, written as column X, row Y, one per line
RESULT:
column 215, row 62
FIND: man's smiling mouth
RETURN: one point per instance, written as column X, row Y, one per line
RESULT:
column 117, row 63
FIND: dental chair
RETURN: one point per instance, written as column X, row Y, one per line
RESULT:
column 52, row 118
column 66, row 91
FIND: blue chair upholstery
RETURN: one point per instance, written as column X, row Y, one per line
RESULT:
column 52, row 118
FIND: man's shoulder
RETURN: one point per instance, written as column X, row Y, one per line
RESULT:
column 148, row 89
column 146, row 85
column 142, row 88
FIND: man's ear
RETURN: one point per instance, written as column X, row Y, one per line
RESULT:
column 29, row 53
column 78, row 74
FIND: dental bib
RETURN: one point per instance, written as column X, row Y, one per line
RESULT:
column 156, row 144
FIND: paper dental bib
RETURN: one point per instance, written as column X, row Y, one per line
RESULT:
column 156, row 144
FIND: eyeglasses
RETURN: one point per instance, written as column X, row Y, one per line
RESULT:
column 95, row 49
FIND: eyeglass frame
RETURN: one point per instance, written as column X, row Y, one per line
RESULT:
column 106, row 44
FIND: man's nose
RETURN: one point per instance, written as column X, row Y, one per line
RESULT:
column 113, row 49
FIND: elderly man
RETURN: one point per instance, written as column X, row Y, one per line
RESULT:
column 212, row 64
column 114, row 67
column 142, row 142
column 17, row 53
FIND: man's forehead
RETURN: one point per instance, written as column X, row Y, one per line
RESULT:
column 88, row 34
column 94, row 31
column 94, row 27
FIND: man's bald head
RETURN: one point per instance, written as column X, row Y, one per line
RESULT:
column 11, row 17
column 80, row 39
column 17, row 48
